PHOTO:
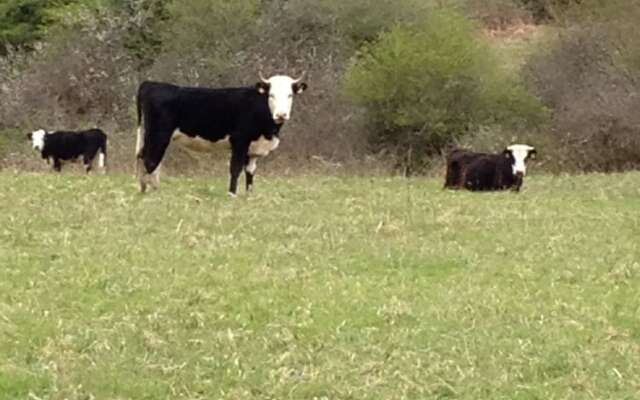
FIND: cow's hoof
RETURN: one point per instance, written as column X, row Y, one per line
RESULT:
column 232, row 195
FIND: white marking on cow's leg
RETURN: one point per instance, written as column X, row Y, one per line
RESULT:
column 139, row 141
column 155, row 177
column 139, row 166
column 142, row 175
column 251, row 167
column 101, row 160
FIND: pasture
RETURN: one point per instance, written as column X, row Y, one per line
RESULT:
column 319, row 287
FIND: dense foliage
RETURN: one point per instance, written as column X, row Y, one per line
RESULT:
column 424, row 86
column 391, row 81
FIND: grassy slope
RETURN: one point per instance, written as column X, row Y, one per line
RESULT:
column 319, row 287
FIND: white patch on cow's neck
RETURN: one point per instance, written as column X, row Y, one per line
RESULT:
column 520, row 153
column 37, row 139
column 199, row 144
column 280, row 97
column 263, row 146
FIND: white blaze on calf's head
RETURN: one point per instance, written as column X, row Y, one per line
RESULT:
column 280, row 89
column 520, row 153
column 37, row 139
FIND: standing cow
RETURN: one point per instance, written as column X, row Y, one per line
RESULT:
column 71, row 146
column 487, row 171
column 249, row 119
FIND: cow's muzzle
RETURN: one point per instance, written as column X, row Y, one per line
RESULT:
column 519, row 179
column 280, row 118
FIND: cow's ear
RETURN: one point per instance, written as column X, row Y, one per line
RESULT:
column 299, row 87
column 532, row 154
column 29, row 136
column 506, row 153
column 262, row 87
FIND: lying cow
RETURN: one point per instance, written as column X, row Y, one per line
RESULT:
column 66, row 146
column 247, row 119
column 485, row 171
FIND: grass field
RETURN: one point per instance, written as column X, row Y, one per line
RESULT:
column 319, row 288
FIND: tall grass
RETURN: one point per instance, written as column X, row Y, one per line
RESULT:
column 318, row 288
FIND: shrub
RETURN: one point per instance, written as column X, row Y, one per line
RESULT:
column 22, row 22
column 425, row 85
column 589, row 79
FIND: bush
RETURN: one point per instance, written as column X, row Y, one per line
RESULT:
column 22, row 22
column 424, row 86
column 589, row 79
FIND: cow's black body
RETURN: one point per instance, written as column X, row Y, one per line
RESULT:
column 70, row 146
column 240, row 114
column 481, row 171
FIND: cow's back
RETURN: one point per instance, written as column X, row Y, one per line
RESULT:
column 205, row 112
column 64, row 144
column 479, row 172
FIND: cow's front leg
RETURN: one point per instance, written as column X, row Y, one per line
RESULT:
column 249, row 171
column 57, row 165
column 238, row 157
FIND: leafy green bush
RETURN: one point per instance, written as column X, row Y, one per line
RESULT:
column 425, row 85
column 24, row 21
column 20, row 22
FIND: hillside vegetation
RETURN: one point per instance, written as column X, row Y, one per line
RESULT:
column 319, row 288
column 392, row 83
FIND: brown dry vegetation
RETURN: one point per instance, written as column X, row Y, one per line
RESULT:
column 580, row 64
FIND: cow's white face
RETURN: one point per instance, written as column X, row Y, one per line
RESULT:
column 521, row 153
column 281, row 89
column 37, row 139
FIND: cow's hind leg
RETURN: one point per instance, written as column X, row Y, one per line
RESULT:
column 249, row 171
column 57, row 165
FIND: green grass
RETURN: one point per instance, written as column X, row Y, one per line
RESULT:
column 319, row 288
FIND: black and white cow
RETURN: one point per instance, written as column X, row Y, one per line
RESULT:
column 68, row 146
column 487, row 171
column 248, row 119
